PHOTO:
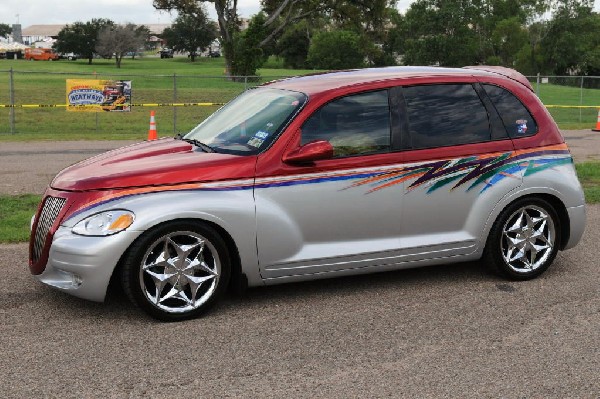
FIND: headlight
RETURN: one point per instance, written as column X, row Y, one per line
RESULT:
column 104, row 223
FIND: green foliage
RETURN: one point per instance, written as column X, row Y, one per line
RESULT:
column 241, row 50
column 336, row 50
column 118, row 40
column 15, row 216
column 249, row 56
column 589, row 176
column 511, row 33
column 449, row 33
column 5, row 30
column 191, row 32
column 81, row 38
column 572, row 42
column 293, row 45
column 508, row 38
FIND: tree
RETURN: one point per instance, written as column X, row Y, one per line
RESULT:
column 190, row 32
column 5, row 30
column 508, row 38
column 247, row 46
column 226, row 16
column 572, row 35
column 340, row 49
column 279, row 15
column 462, row 32
column 119, row 40
column 81, row 38
column 293, row 45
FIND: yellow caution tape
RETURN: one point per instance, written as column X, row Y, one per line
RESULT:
column 120, row 105
column 572, row 106
column 195, row 105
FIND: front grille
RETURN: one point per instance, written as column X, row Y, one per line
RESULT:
column 48, row 215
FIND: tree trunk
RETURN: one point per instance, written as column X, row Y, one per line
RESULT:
column 90, row 60
column 226, row 37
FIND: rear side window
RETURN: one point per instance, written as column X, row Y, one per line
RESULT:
column 444, row 115
column 516, row 118
column 354, row 125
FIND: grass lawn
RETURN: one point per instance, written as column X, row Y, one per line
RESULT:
column 589, row 176
column 156, row 80
column 16, row 211
column 571, row 118
column 15, row 216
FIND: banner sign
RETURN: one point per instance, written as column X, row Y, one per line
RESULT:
column 91, row 95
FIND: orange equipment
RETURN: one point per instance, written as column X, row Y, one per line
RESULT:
column 152, row 135
column 40, row 54
column 597, row 129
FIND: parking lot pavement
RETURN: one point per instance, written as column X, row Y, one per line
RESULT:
column 28, row 167
column 440, row 331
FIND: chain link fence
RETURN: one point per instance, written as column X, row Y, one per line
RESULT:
column 573, row 101
column 32, row 104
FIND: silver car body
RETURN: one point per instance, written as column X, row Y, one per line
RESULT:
column 326, row 224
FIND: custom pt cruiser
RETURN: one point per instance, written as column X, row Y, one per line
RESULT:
column 314, row 177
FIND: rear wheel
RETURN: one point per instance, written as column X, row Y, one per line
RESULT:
column 176, row 271
column 524, row 239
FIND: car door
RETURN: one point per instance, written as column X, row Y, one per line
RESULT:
column 464, row 164
column 327, row 215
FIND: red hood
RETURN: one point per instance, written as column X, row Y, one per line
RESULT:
column 153, row 163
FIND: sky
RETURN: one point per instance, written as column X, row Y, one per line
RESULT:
column 36, row 12
column 43, row 12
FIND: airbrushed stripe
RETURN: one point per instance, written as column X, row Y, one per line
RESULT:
column 486, row 170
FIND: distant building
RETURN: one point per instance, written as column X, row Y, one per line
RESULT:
column 17, row 33
column 40, row 33
column 45, row 33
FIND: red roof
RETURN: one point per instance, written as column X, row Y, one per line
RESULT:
column 316, row 83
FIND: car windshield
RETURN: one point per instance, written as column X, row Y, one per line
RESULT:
column 249, row 123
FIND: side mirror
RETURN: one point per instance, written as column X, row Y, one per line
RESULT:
column 310, row 152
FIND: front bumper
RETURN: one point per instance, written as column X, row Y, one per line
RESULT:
column 82, row 266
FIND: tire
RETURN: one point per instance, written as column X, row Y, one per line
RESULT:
column 167, row 289
column 524, row 240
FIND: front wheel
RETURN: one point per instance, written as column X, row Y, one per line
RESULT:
column 176, row 271
column 524, row 239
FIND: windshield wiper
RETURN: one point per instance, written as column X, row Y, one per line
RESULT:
column 197, row 143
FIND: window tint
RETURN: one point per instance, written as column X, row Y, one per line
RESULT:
column 442, row 115
column 357, row 124
column 516, row 118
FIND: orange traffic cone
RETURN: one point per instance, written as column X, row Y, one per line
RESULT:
column 597, row 129
column 152, row 135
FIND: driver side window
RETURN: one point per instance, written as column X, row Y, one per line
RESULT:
column 354, row 125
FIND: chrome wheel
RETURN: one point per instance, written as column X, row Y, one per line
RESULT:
column 528, row 239
column 180, row 272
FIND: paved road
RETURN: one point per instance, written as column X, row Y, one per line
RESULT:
column 29, row 167
column 452, row 331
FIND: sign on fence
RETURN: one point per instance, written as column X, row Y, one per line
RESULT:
column 92, row 95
